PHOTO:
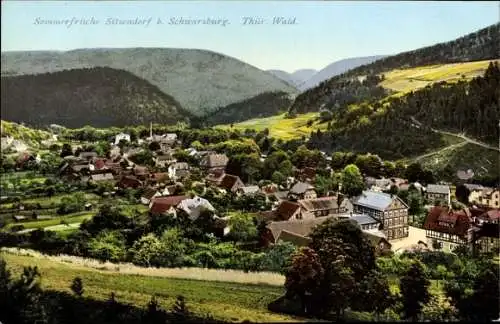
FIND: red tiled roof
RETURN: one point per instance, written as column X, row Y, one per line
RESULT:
column 162, row 204
column 286, row 209
column 459, row 221
column 130, row 181
column 492, row 215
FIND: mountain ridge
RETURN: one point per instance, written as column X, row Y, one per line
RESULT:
column 217, row 79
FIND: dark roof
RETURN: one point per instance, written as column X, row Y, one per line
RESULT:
column 441, row 219
column 375, row 200
column 300, row 188
column 149, row 193
column 473, row 186
column 363, row 219
column 440, row 189
column 281, row 194
column 162, row 204
column 130, row 181
column 228, row 181
column 286, row 209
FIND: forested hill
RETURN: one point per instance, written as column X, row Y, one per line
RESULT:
column 263, row 105
column 481, row 45
column 402, row 127
column 100, row 97
column 200, row 80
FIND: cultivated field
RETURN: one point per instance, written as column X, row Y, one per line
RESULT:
column 281, row 127
column 405, row 80
column 226, row 295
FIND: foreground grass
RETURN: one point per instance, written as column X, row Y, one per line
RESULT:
column 223, row 300
column 405, row 80
column 281, row 127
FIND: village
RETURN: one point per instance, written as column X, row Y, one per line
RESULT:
column 285, row 212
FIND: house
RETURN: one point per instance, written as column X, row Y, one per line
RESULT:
column 384, row 184
column 286, row 210
column 158, row 178
column 101, row 177
column 302, row 190
column 231, row 183
column 248, row 190
column 87, row 155
column 120, row 137
column 489, row 198
column 114, row 152
column 130, row 182
column 438, row 193
column 148, row 195
column 141, row 172
column 214, row 162
column 325, row 206
column 178, row 170
column 297, row 232
column 215, row 177
column 366, row 222
column 447, row 229
column 379, row 242
column 389, row 210
column 164, row 160
column 165, row 205
column 193, row 207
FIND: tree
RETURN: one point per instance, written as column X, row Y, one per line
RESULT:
column 414, row 172
column 278, row 178
column 304, row 277
column 66, row 150
column 243, row 228
column 154, row 146
column 147, row 251
column 485, row 300
column 180, row 309
column 278, row 257
column 414, row 287
column 324, row 184
column 373, row 294
column 352, row 181
column 77, row 286
column 107, row 246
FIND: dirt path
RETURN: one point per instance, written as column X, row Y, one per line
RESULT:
column 462, row 136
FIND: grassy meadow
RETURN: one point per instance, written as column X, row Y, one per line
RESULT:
column 231, row 301
column 281, row 127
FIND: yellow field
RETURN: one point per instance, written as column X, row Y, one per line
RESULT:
column 281, row 127
column 404, row 80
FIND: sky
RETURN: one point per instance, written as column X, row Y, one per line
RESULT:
column 323, row 32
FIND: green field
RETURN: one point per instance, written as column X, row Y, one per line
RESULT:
column 223, row 300
column 281, row 127
column 405, row 80
column 75, row 218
